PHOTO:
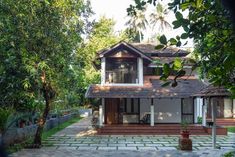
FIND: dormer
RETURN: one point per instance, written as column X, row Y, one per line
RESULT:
column 122, row 65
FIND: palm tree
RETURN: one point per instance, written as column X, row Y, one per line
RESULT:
column 138, row 23
column 159, row 17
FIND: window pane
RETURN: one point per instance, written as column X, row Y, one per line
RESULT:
column 187, row 106
column 121, row 70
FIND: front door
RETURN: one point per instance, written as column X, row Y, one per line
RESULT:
column 111, row 111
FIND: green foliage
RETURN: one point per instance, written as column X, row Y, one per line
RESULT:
column 101, row 36
column 138, row 23
column 199, row 120
column 163, row 40
column 210, row 25
column 184, row 125
column 4, row 116
column 231, row 129
column 229, row 154
column 37, row 37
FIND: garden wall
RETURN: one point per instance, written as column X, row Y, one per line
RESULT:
column 16, row 135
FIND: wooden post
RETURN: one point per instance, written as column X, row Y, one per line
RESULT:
column 152, row 113
column 213, row 111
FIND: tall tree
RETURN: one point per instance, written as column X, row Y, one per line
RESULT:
column 102, row 36
column 36, row 46
column 158, row 18
column 138, row 23
column 211, row 25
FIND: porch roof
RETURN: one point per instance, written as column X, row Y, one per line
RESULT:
column 213, row 91
column 152, row 89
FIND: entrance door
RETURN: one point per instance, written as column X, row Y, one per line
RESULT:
column 111, row 111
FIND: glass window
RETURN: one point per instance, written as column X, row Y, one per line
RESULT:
column 119, row 70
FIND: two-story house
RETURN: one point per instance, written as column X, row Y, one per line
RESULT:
column 131, row 91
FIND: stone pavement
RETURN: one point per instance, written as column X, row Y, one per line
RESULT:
column 79, row 140
column 51, row 152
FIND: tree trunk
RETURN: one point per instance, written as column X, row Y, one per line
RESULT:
column 46, row 94
column 140, row 36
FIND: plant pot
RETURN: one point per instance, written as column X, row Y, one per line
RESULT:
column 185, row 134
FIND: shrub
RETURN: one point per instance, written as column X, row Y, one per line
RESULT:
column 199, row 120
column 4, row 115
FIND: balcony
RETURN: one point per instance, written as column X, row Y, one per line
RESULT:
column 121, row 76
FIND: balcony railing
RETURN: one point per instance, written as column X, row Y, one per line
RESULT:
column 121, row 76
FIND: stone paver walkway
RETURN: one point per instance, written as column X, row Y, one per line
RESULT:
column 79, row 140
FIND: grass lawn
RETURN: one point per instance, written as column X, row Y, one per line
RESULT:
column 60, row 127
column 45, row 135
column 231, row 129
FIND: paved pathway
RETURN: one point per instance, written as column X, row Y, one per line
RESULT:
column 79, row 140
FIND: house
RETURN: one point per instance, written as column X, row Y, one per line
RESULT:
column 131, row 91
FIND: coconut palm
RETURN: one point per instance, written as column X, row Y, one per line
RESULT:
column 138, row 23
column 158, row 18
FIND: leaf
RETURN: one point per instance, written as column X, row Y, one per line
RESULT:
column 163, row 39
column 166, row 69
column 184, row 36
column 178, row 15
column 181, row 73
column 185, row 5
column 163, row 77
column 178, row 37
column 158, row 47
column 176, row 24
column 186, row 29
column 177, row 64
column 173, row 41
column 166, row 84
column 178, row 43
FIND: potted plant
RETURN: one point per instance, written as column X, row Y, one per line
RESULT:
column 185, row 143
column 184, row 130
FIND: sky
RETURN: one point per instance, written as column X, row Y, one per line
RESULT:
column 116, row 9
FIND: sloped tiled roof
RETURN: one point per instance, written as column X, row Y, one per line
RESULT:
column 213, row 91
column 152, row 89
column 167, row 52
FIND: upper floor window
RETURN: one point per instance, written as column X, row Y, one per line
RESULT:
column 121, row 70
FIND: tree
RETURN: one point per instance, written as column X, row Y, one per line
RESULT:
column 37, row 42
column 102, row 35
column 137, row 23
column 159, row 17
column 211, row 25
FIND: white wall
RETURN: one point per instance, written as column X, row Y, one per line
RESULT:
column 167, row 110
column 227, row 108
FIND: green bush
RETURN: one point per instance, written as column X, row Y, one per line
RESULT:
column 229, row 154
column 199, row 120
column 4, row 115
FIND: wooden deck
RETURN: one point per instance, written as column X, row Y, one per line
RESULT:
column 158, row 129
column 224, row 121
